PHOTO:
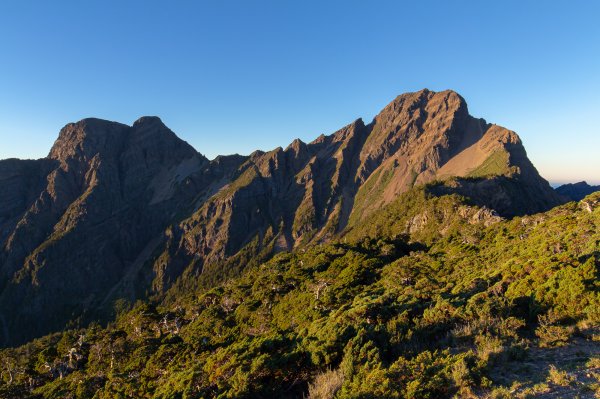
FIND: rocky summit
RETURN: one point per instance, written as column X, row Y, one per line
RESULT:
column 125, row 212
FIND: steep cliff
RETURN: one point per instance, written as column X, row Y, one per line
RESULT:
column 119, row 211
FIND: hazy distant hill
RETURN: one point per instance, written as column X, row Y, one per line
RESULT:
column 576, row 191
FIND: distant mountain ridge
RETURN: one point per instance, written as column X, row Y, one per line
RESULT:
column 119, row 211
column 576, row 191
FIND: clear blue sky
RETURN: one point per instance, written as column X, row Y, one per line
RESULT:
column 234, row 76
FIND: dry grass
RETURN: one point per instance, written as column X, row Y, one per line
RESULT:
column 326, row 385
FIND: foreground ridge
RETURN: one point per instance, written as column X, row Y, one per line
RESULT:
column 432, row 297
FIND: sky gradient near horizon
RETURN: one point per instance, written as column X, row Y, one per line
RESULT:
column 233, row 76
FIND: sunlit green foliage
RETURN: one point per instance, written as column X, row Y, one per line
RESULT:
column 495, row 165
column 382, row 313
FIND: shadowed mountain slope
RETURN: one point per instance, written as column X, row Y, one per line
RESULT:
column 576, row 191
column 119, row 211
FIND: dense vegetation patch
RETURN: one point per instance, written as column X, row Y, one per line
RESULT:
column 423, row 301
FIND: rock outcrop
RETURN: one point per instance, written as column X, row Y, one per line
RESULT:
column 119, row 211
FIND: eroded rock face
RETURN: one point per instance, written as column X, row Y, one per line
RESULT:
column 96, row 208
column 426, row 136
column 122, row 211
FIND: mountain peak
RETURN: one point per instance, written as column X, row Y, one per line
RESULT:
column 90, row 136
column 140, row 191
column 443, row 105
column 87, row 137
column 148, row 121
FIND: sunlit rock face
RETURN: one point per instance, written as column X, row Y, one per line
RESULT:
column 119, row 211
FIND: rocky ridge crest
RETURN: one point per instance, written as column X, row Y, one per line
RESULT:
column 119, row 211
